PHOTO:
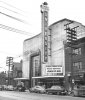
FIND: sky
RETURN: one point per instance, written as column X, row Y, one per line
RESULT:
column 24, row 15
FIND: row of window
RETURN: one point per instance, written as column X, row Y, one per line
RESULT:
column 77, row 51
column 77, row 65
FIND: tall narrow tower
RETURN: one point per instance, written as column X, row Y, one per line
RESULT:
column 44, row 30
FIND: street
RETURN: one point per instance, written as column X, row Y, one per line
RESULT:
column 15, row 95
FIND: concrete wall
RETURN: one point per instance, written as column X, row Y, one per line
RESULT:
column 30, row 46
column 58, row 37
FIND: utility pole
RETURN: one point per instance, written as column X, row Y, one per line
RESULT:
column 9, row 63
column 71, row 41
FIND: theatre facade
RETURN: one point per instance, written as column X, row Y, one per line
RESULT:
column 46, row 59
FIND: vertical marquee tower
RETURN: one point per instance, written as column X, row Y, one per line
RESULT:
column 44, row 30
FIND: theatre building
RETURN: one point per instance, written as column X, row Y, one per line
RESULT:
column 46, row 58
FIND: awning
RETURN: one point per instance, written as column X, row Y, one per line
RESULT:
column 21, row 79
column 48, row 77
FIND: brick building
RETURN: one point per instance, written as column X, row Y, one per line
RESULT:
column 77, row 68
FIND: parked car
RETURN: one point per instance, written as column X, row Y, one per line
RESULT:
column 56, row 89
column 4, row 87
column 1, row 87
column 10, row 88
column 37, row 89
column 15, row 88
column 78, row 90
column 21, row 89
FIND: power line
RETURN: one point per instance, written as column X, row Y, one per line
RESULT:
column 14, row 29
column 11, row 10
column 12, row 6
column 25, row 13
column 15, row 13
column 20, row 20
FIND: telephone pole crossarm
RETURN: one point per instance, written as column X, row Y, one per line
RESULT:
column 71, row 36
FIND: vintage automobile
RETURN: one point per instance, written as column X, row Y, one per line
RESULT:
column 56, row 89
column 10, row 88
column 78, row 90
column 37, row 89
column 21, row 88
column 4, row 87
column 1, row 87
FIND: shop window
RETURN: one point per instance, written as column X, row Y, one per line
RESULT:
column 77, row 51
column 77, row 65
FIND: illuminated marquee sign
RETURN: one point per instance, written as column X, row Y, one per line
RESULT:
column 54, row 70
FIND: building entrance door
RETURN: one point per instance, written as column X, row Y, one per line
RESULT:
column 35, row 67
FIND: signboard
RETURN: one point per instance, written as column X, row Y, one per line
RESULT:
column 54, row 70
column 45, row 36
column 44, row 11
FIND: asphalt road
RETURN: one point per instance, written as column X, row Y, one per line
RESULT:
column 15, row 95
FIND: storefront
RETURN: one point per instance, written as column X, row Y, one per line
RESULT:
column 49, row 81
column 25, row 81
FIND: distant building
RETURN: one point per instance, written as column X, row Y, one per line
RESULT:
column 17, row 69
column 16, row 72
column 2, row 78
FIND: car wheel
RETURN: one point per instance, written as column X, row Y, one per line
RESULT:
column 47, row 92
column 75, row 94
column 29, row 91
column 38, row 91
column 58, row 93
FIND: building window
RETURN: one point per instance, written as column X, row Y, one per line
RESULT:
column 37, row 68
column 77, row 51
column 77, row 65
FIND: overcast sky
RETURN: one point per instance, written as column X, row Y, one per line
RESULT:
column 25, row 15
